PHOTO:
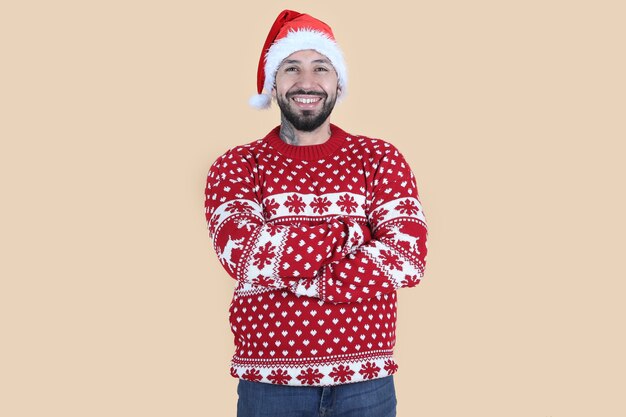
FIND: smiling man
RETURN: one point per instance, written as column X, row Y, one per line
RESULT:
column 306, row 92
column 320, row 228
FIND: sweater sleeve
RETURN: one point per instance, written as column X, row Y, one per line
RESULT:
column 261, row 254
column 395, row 257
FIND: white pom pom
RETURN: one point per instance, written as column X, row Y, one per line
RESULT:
column 260, row 101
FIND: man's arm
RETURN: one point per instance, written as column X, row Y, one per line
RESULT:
column 262, row 254
column 395, row 257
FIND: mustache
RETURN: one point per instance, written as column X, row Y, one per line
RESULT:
column 306, row 93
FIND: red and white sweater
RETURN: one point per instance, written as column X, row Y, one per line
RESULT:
column 319, row 238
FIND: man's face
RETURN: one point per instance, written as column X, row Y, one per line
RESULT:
column 306, row 89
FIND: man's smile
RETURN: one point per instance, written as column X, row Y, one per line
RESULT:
column 306, row 101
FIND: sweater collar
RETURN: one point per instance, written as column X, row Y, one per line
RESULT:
column 308, row 152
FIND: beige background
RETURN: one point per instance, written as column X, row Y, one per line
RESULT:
column 511, row 114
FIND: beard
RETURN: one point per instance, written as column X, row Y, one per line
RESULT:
column 308, row 120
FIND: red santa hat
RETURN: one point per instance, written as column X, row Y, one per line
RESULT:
column 292, row 32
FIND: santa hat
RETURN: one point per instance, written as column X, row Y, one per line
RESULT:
column 292, row 32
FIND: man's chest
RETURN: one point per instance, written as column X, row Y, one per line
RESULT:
column 292, row 189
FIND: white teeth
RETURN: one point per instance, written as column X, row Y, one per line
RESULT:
column 306, row 100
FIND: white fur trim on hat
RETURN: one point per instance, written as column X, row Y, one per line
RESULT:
column 260, row 101
column 295, row 41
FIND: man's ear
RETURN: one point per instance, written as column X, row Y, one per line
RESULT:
column 274, row 92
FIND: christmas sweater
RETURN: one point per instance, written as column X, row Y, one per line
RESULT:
column 319, row 238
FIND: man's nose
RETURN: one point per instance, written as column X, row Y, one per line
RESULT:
column 306, row 80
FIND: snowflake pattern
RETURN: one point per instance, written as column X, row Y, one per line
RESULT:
column 390, row 260
column 320, row 205
column 238, row 207
column 279, row 376
column 252, row 375
column 264, row 255
column 391, row 367
column 347, row 203
column 270, row 207
column 369, row 370
column 407, row 207
column 342, row 373
column 263, row 281
column 410, row 281
column 378, row 216
column 295, row 204
column 310, row 376
column 355, row 241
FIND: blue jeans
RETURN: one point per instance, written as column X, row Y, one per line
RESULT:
column 375, row 398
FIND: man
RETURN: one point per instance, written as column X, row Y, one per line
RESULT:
column 320, row 228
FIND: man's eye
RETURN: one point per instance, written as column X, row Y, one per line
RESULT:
column 291, row 69
column 321, row 69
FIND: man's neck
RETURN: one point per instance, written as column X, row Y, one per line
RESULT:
column 292, row 136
